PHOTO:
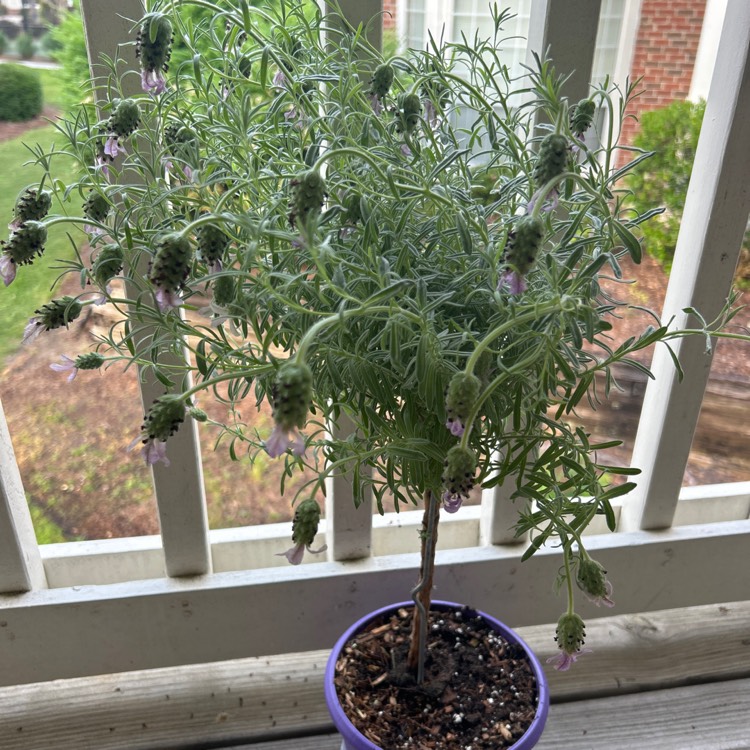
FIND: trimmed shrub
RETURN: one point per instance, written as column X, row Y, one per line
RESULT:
column 25, row 46
column 22, row 93
column 50, row 44
column 3, row 43
column 672, row 134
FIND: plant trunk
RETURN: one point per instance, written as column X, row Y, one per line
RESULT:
column 422, row 592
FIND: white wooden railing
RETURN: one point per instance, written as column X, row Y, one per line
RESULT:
column 192, row 595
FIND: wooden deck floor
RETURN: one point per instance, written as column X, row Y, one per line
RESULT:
column 673, row 680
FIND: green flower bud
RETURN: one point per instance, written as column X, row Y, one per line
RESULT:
column 308, row 194
column 154, row 42
column 212, row 241
column 58, row 313
column 164, row 417
column 582, row 116
column 305, row 522
column 552, row 158
column 591, row 579
column 89, row 361
column 31, row 205
column 124, row 119
column 409, row 107
column 225, row 290
column 245, row 66
column 107, row 265
column 292, row 395
column 353, row 206
column 381, row 81
column 524, row 243
column 171, row 264
column 458, row 471
column 570, row 633
column 462, row 393
column 26, row 243
column 180, row 141
column 96, row 207
column 197, row 414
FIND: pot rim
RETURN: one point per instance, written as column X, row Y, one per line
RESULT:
column 357, row 741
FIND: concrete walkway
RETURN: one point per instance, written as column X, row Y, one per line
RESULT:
column 40, row 64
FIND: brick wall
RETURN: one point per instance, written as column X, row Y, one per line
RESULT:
column 389, row 14
column 664, row 55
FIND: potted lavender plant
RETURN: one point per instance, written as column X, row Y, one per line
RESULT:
column 365, row 255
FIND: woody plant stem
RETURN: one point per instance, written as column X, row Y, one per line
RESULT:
column 422, row 592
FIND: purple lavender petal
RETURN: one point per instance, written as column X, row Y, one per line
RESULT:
column 318, row 551
column 376, row 104
column 279, row 80
column 7, row 270
column 32, row 330
column 153, row 82
column 606, row 600
column 155, row 451
column 298, row 444
column 294, row 554
column 103, row 164
column 67, row 365
column 167, row 300
column 112, row 147
column 278, row 442
column 456, row 427
column 513, row 281
column 563, row 661
column 430, row 113
column 452, row 502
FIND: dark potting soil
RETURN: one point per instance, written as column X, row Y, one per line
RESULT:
column 479, row 693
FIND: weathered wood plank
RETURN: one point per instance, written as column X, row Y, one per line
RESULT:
column 706, row 717
column 322, row 742
column 231, row 702
column 256, row 700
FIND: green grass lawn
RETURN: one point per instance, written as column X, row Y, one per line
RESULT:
column 51, row 87
column 31, row 287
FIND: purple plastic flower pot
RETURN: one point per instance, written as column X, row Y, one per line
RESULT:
column 354, row 740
